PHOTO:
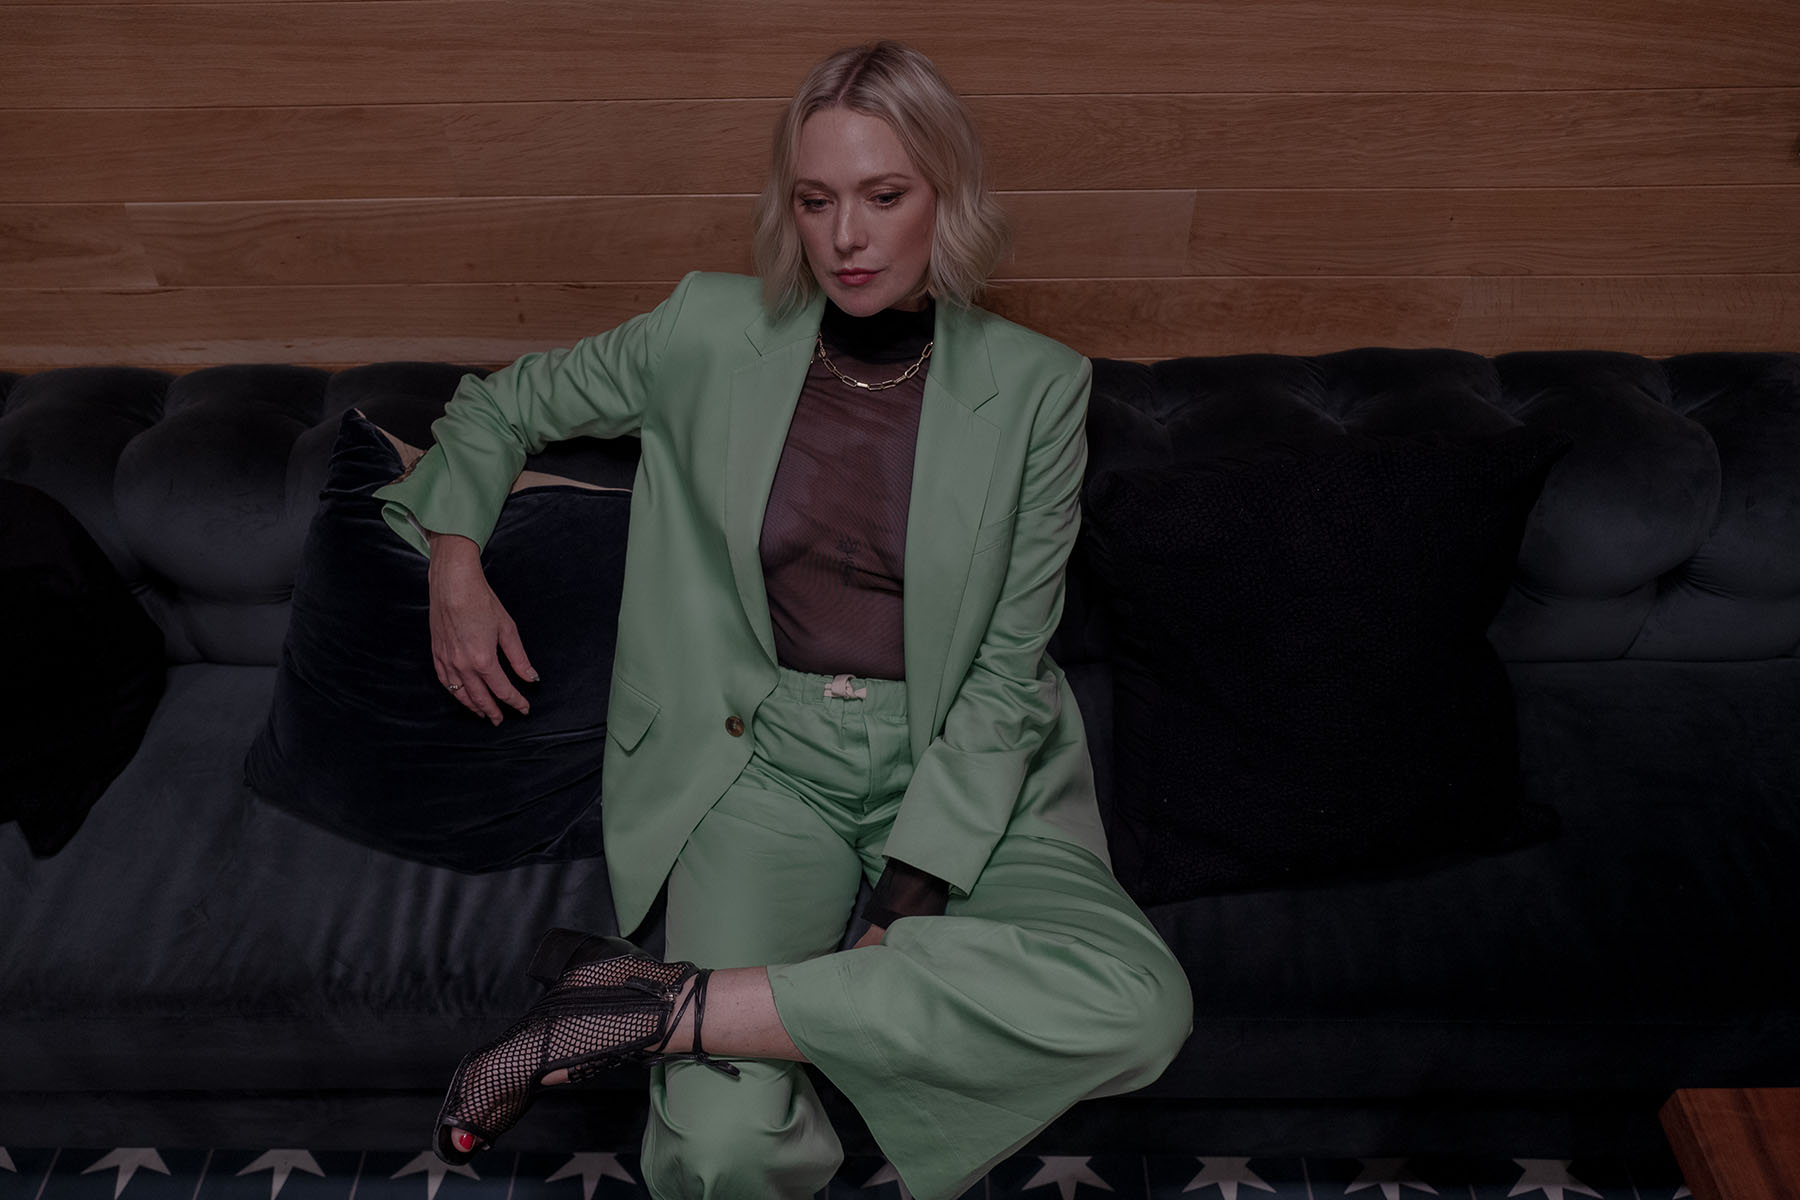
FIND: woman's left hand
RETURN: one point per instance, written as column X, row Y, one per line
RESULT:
column 871, row 938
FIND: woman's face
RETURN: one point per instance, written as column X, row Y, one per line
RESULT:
column 864, row 212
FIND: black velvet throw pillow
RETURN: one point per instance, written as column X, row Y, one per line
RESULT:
column 363, row 739
column 85, row 664
column 1303, row 684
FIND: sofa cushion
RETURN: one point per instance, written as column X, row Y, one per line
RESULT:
column 361, row 737
column 1302, row 684
column 1641, row 949
column 87, row 659
column 228, row 951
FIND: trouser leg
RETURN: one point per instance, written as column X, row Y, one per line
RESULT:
column 962, row 1036
column 959, row 1038
column 763, row 879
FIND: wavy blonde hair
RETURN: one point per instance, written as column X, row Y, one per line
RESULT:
column 902, row 87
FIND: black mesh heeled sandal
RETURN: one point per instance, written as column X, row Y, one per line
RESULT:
column 608, row 1005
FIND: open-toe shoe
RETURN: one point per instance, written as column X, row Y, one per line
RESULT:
column 608, row 1005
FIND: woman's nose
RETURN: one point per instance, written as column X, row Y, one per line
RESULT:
column 848, row 234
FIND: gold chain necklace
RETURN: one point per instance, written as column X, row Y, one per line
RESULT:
column 896, row 381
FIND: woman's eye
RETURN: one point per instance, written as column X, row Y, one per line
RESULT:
column 887, row 198
column 812, row 203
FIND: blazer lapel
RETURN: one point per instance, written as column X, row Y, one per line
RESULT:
column 763, row 396
column 952, row 470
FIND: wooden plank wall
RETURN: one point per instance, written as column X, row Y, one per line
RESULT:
column 339, row 181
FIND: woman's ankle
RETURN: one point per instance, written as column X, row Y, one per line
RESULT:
column 740, row 1020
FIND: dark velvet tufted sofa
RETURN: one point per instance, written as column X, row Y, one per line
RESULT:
column 197, row 967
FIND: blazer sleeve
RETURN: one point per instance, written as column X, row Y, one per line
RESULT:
column 597, row 388
column 967, row 782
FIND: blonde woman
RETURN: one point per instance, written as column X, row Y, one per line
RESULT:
column 856, row 499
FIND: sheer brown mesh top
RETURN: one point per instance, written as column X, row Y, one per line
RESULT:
column 834, row 534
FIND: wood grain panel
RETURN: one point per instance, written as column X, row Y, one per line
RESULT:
column 70, row 245
column 494, row 323
column 1555, row 231
column 510, row 240
column 403, row 150
column 332, row 53
column 1525, row 139
column 1097, row 233
column 602, row 149
column 472, row 323
column 1638, row 314
column 1736, row 1143
column 579, row 239
column 1674, row 138
column 1160, row 318
column 224, row 153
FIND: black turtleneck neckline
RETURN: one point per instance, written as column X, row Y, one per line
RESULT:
column 891, row 335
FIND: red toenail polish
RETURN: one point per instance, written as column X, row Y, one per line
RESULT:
column 465, row 1141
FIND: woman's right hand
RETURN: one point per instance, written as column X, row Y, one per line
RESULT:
column 470, row 629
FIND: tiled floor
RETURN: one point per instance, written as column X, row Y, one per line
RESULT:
column 168, row 1174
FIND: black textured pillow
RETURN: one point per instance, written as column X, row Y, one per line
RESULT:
column 1302, row 679
column 363, row 739
column 85, row 659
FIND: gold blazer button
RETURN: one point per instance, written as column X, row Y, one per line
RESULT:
column 734, row 726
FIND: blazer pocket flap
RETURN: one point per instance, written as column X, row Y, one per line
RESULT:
column 995, row 533
column 629, row 715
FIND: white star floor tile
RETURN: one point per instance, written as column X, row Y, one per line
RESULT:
column 146, row 1173
column 586, row 1176
column 1215, row 1177
column 1069, row 1177
column 289, row 1174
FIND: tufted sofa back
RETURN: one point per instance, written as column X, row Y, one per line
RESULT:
column 1671, row 530
column 199, row 488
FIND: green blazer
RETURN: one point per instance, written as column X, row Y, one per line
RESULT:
column 708, row 383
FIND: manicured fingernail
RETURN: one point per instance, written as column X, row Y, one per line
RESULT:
column 533, row 677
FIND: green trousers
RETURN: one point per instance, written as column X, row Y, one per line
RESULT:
column 958, row 1038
